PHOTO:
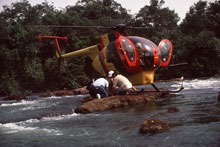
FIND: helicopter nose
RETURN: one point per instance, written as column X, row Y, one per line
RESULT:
column 146, row 58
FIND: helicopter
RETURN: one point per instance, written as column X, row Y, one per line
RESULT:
column 135, row 57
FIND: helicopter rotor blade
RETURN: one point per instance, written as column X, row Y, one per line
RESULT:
column 70, row 26
column 116, row 27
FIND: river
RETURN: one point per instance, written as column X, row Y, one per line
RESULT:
column 25, row 123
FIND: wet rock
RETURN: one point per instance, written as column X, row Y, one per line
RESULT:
column 153, row 126
column 172, row 110
column 98, row 105
column 82, row 90
column 48, row 94
column 77, row 91
column 17, row 97
column 54, row 114
column 63, row 92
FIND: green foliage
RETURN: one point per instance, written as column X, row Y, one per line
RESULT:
column 156, row 16
column 161, row 20
column 204, row 55
column 27, row 65
column 213, row 15
column 195, row 20
column 9, row 84
column 202, row 46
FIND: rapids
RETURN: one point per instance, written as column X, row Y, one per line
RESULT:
column 26, row 123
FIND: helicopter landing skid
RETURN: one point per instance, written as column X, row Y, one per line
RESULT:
column 181, row 87
column 159, row 90
column 155, row 87
column 175, row 91
column 170, row 91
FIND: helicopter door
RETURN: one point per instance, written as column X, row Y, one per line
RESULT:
column 165, row 47
column 127, row 53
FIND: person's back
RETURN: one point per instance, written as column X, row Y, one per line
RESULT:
column 100, row 82
column 121, row 82
column 98, row 88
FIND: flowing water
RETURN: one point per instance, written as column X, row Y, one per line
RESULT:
column 25, row 123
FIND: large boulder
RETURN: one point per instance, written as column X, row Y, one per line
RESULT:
column 98, row 105
column 153, row 126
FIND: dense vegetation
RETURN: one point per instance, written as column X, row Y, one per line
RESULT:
column 27, row 65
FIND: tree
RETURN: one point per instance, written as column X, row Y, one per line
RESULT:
column 30, row 66
column 204, row 54
column 27, row 65
column 202, row 49
column 159, row 20
column 196, row 19
column 213, row 15
column 156, row 16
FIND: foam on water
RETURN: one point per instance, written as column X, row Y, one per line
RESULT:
column 14, row 128
column 27, row 105
column 36, row 105
column 67, row 96
column 23, row 102
column 202, row 84
column 61, row 117
column 54, row 97
column 32, row 108
column 27, row 125
column 22, row 126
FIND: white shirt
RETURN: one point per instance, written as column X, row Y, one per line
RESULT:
column 100, row 82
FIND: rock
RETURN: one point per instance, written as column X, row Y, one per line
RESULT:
column 63, row 92
column 77, row 91
column 153, row 126
column 54, row 114
column 98, row 105
column 45, row 94
column 82, row 90
column 17, row 97
column 172, row 110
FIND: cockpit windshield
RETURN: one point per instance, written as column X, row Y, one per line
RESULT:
column 142, row 43
column 128, row 48
column 146, row 51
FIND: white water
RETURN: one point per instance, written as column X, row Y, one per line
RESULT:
column 25, row 123
column 212, row 83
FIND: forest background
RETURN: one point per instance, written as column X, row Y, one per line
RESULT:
column 27, row 65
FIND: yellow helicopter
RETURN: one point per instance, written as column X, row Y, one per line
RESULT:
column 135, row 57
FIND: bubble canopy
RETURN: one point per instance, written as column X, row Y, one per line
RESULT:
column 136, row 53
column 147, row 52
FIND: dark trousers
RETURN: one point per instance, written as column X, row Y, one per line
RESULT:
column 93, row 90
column 120, row 91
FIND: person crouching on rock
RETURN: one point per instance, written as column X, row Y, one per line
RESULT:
column 119, row 84
column 98, row 88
